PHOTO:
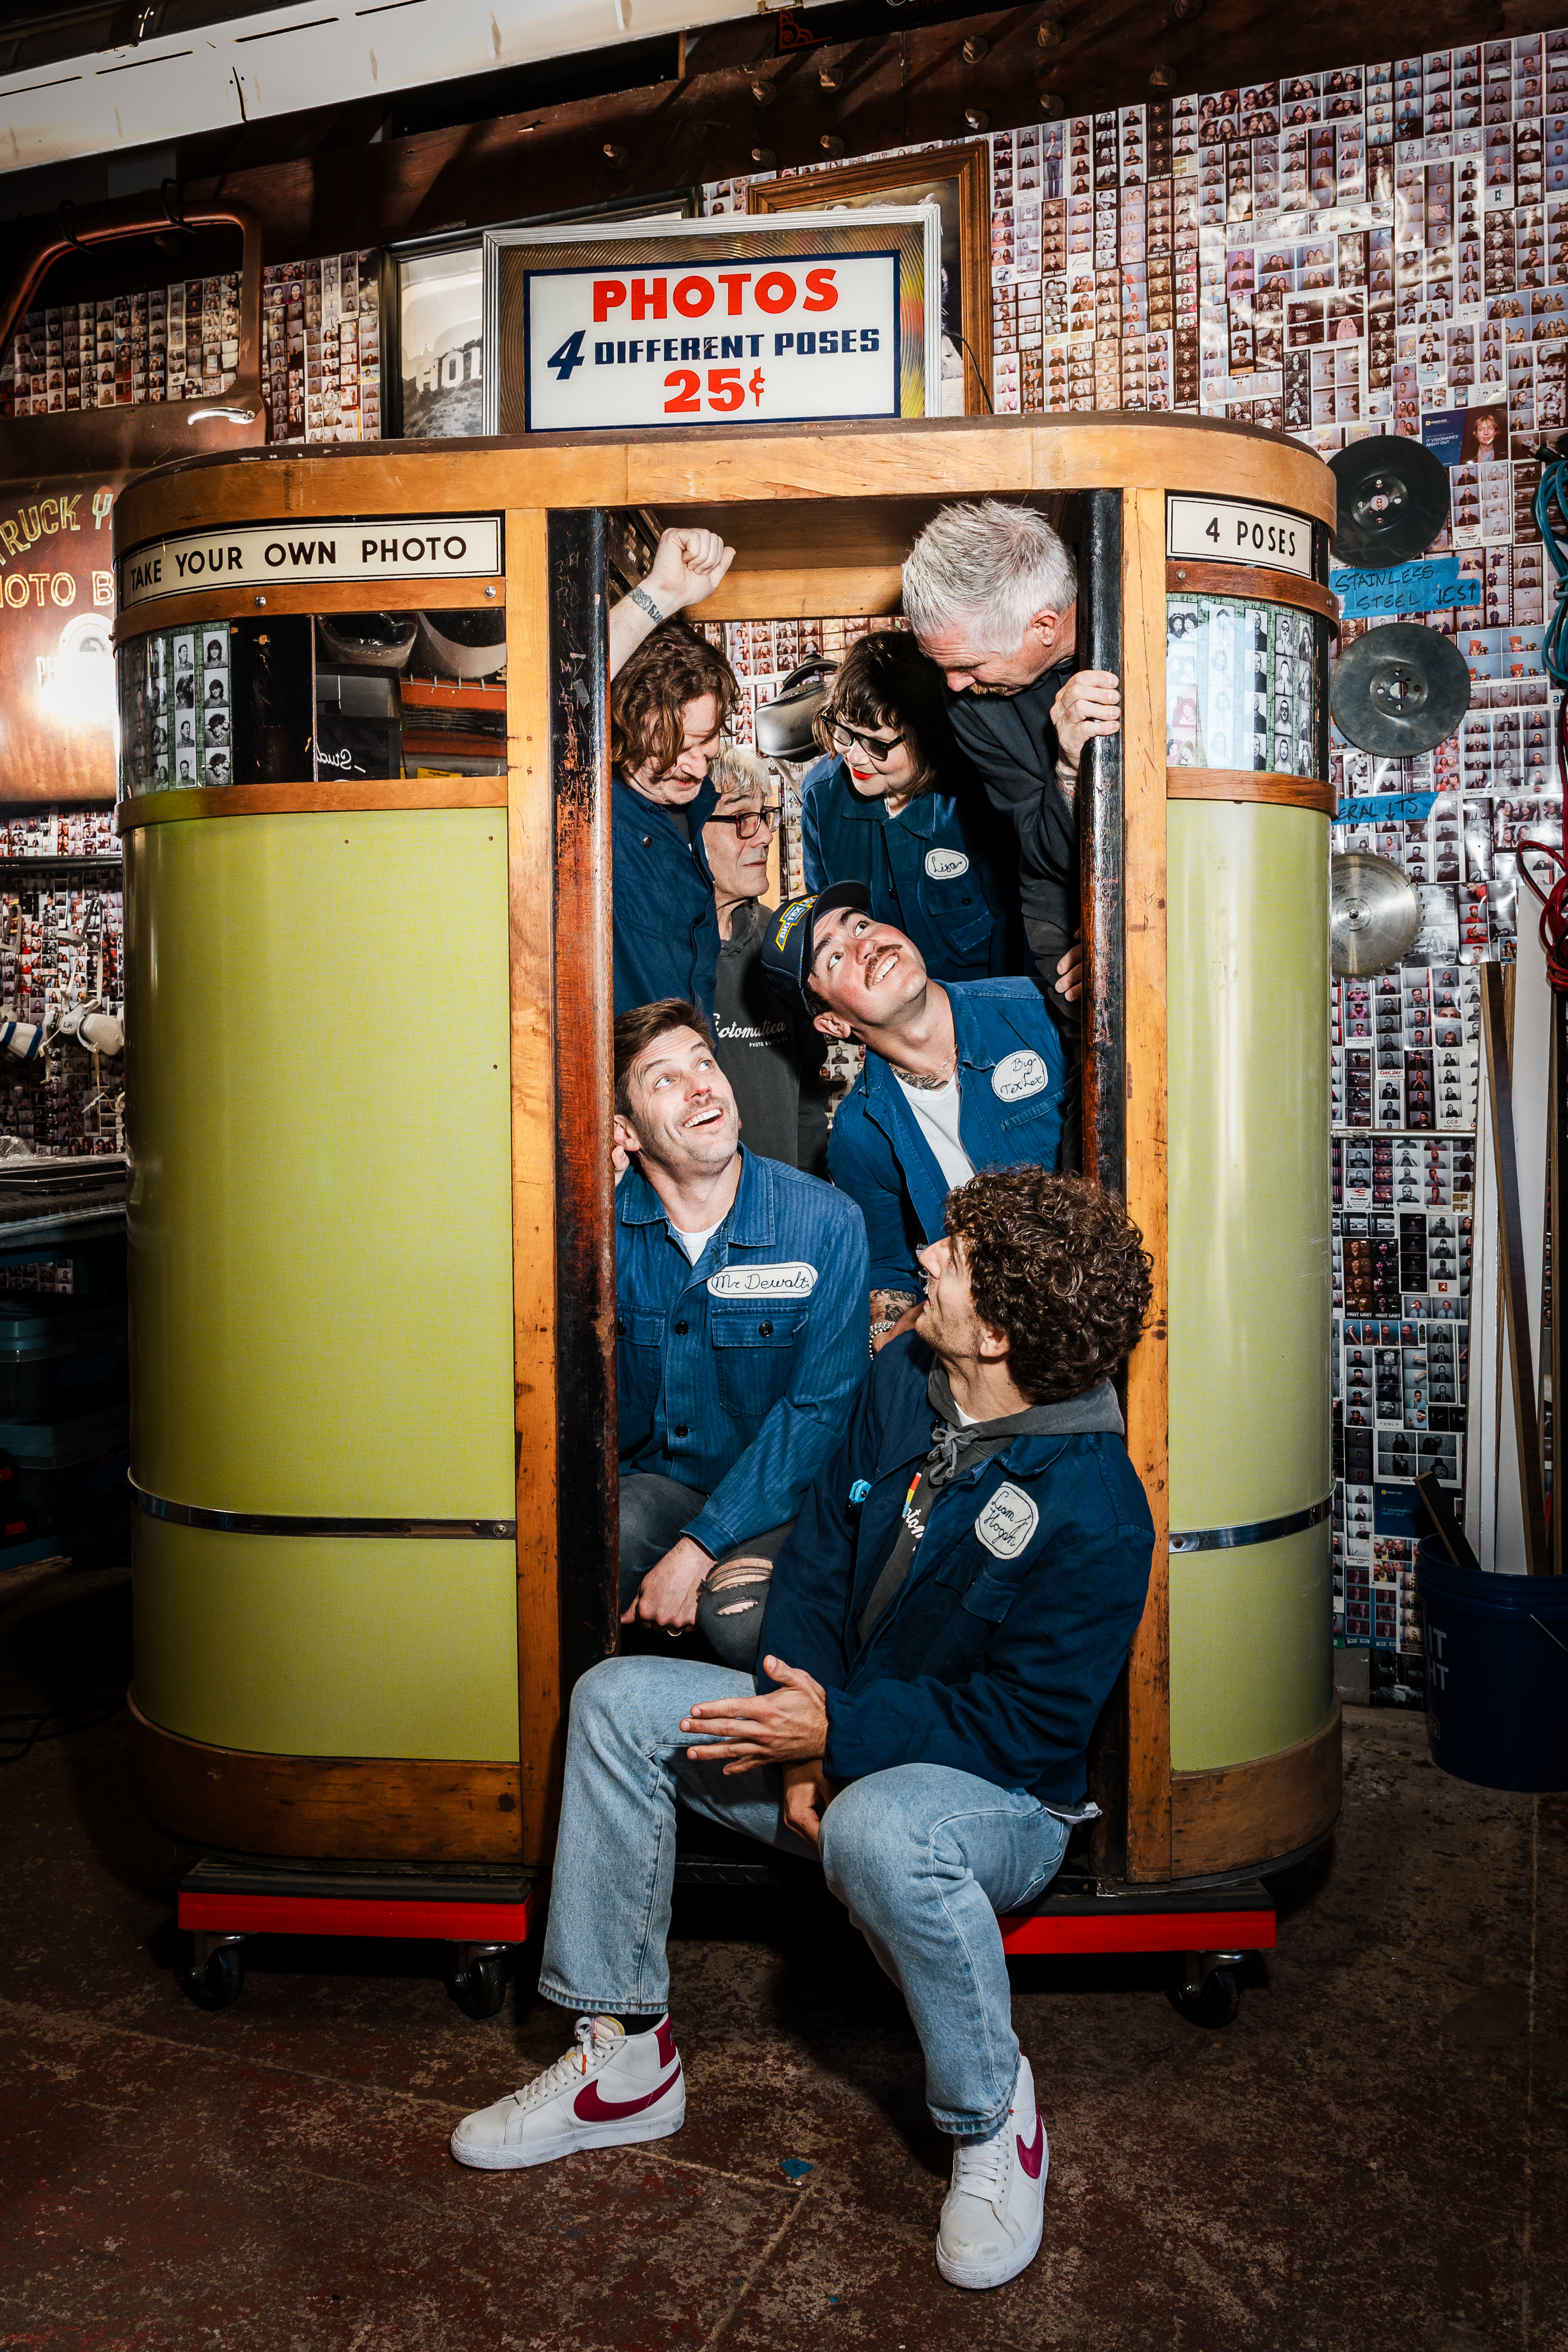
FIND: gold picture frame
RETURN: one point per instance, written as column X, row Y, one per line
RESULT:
column 959, row 179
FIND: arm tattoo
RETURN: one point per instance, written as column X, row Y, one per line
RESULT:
column 640, row 596
column 887, row 1306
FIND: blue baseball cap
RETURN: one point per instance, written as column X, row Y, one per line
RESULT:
column 788, row 943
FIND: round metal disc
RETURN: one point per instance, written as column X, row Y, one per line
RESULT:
column 1393, row 500
column 1397, row 691
column 1374, row 913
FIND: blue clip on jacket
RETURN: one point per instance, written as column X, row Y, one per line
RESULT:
column 735, row 1374
column 1011, row 1075
column 1002, row 1646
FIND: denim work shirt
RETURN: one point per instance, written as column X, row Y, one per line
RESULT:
column 666, row 927
column 1011, row 1076
column 1000, row 1648
column 930, row 870
column 734, row 1375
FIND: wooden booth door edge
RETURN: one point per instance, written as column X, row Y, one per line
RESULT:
column 1148, row 1419
column 531, row 891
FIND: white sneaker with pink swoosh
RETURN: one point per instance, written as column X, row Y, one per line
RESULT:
column 995, row 2212
column 611, row 2088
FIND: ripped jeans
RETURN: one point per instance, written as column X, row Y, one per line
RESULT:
column 924, row 1858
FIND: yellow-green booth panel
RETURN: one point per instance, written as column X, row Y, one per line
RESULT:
column 321, row 1205
column 1250, row 1275
column 308, row 1645
column 1251, row 1649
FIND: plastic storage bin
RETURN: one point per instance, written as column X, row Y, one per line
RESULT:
column 61, row 1357
column 71, row 1471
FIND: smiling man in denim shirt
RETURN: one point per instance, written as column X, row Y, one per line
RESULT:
column 957, row 1077
column 943, row 1627
column 741, row 1321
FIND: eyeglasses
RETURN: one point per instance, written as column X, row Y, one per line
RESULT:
column 878, row 753
column 749, row 822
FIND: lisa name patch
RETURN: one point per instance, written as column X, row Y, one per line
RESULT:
column 1018, row 1074
column 1007, row 1522
column 946, row 864
column 795, row 1281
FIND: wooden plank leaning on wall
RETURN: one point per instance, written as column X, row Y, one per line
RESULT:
column 1148, row 1418
column 530, row 857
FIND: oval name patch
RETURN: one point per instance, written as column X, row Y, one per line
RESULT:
column 1007, row 1522
column 946, row 864
column 795, row 1281
column 1018, row 1075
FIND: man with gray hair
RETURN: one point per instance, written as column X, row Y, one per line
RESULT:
column 991, row 594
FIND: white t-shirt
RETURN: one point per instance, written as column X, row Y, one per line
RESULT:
column 936, row 1112
column 695, row 1244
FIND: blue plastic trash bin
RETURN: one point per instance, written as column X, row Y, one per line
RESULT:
column 1497, row 1674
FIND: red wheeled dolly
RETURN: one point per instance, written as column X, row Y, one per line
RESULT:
column 484, row 1913
column 479, row 1914
column 1213, row 1929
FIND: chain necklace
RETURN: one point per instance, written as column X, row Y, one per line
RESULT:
column 923, row 1081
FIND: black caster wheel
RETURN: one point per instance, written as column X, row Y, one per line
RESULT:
column 220, row 1982
column 1216, row 2005
column 478, row 1990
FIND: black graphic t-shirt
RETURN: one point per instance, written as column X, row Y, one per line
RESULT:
column 772, row 1060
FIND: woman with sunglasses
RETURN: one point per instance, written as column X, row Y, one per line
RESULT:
column 896, row 805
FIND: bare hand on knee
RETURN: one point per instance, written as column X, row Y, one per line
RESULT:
column 668, row 1594
column 788, row 1726
column 809, row 1792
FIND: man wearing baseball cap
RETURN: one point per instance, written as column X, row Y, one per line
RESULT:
column 958, row 1077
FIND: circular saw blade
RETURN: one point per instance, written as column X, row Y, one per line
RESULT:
column 1393, row 500
column 1374, row 913
column 1397, row 691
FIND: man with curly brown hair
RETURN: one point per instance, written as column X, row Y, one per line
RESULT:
column 671, row 695
column 943, row 1626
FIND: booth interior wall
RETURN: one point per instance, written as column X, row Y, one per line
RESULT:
column 320, row 1270
column 303, row 1645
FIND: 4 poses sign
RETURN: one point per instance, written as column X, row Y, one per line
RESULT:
column 832, row 315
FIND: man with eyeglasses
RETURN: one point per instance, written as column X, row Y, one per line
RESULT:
column 771, row 1057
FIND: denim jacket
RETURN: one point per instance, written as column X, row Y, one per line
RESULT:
column 1011, row 1073
column 1025, row 1592
column 930, row 870
column 666, row 927
column 735, row 1374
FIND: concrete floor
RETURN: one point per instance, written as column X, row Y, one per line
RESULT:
column 1371, row 2156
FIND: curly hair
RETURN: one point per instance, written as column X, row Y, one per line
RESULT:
column 1057, row 1266
column 886, row 681
column 650, row 694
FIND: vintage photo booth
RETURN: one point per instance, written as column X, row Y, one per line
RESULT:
column 372, row 1239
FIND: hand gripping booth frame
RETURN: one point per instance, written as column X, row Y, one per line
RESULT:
column 371, row 1215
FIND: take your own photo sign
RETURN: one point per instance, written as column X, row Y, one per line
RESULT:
column 826, row 315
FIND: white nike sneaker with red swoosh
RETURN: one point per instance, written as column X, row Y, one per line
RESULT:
column 995, row 2212
column 610, row 2089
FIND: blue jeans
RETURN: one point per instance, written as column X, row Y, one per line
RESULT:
column 922, row 1857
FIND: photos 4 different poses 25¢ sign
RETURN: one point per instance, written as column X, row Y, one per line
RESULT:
column 830, row 317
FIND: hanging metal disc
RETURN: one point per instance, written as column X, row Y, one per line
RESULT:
column 1393, row 500
column 1374, row 913
column 1397, row 691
